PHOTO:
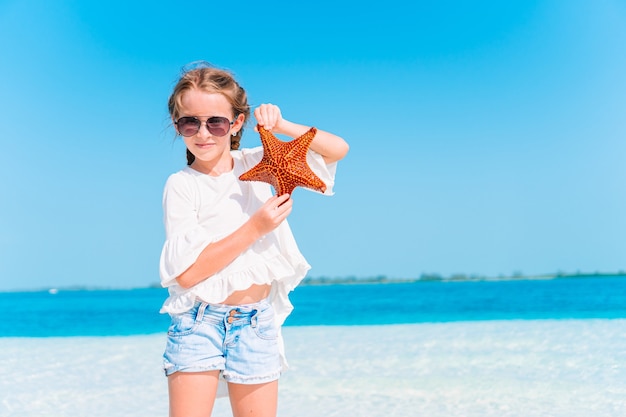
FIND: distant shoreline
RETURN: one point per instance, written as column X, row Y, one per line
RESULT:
column 382, row 279
column 378, row 279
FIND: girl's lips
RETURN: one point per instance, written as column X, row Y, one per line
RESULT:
column 204, row 145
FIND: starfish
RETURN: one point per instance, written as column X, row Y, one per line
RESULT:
column 284, row 164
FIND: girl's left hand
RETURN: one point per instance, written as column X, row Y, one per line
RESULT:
column 268, row 116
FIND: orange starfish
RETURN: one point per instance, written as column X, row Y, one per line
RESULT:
column 284, row 164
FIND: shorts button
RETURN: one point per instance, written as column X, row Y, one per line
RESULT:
column 233, row 312
column 230, row 320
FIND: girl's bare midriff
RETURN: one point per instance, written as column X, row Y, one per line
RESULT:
column 254, row 294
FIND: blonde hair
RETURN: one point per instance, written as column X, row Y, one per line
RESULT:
column 202, row 76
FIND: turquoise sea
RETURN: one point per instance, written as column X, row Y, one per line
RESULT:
column 136, row 311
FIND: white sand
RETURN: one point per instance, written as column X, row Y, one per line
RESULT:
column 572, row 368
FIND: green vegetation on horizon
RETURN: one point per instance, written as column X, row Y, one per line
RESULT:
column 379, row 279
column 431, row 277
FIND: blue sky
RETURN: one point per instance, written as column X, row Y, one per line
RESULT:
column 486, row 137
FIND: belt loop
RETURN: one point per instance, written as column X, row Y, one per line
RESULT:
column 200, row 312
column 253, row 319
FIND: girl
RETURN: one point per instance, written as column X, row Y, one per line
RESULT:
column 229, row 259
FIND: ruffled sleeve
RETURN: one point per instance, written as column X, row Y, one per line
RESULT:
column 326, row 172
column 185, row 238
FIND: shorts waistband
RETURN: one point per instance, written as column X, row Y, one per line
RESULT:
column 231, row 313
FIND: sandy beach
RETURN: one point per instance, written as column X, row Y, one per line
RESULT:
column 560, row 368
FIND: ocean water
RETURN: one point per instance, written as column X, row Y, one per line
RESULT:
column 135, row 312
column 472, row 349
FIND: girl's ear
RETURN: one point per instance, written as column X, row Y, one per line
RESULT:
column 239, row 121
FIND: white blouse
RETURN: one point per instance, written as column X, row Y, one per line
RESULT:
column 200, row 209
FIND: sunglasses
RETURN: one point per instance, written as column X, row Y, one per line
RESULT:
column 190, row 125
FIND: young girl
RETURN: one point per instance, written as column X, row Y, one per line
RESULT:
column 229, row 259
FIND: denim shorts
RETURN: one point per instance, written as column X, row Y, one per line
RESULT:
column 241, row 341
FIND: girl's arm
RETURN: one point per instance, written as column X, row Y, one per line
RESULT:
column 330, row 146
column 217, row 255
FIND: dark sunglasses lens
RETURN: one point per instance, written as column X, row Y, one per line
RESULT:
column 218, row 126
column 188, row 126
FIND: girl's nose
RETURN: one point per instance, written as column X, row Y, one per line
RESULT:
column 203, row 131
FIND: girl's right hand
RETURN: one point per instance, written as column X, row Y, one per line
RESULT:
column 272, row 213
column 268, row 116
